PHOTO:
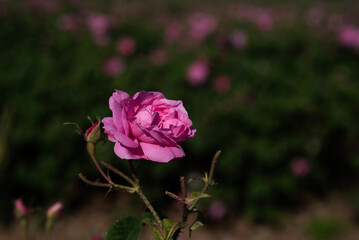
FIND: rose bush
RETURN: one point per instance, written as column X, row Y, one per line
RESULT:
column 147, row 126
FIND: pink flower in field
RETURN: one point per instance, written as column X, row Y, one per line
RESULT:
column 238, row 39
column 173, row 33
column 20, row 209
column 99, row 25
column 201, row 25
column 113, row 66
column 67, row 22
column 126, row 46
column 158, row 57
column 217, row 211
column 300, row 167
column 264, row 20
column 314, row 17
column 222, row 83
column 197, row 72
column 147, row 126
column 55, row 211
column 348, row 36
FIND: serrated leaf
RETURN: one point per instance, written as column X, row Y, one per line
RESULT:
column 171, row 227
column 195, row 196
column 196, row 225
column 126, row 228
column 147, row 218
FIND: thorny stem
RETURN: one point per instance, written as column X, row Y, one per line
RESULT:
column 98, row 167
column 184, row 195
column 118, row 172
column 132, row 169
column 137, row 189
column 207, row 182
column 107, row 185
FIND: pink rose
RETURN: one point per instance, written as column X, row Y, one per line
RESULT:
column 113, row 66
column 20, row 208
column 147, row 126
column 55, row 210
column 197, row 72
column 126, row 46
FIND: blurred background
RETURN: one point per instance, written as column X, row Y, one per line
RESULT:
column 273, row 84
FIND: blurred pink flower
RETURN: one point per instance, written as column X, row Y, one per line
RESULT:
column 300, row 167
column 348, row 36
column 217, row 210
column 67, row 22
column 158, row 57
column 264, row 20
column 197, row 72
column 314, row 16
column 126, row 46
column 55, row 210
column 96, row 238
column 20, row 208
column 99, row 25
column 113, row 66
column 222, row 83
column 238, row 39
column 173, row 33
column 201, row 25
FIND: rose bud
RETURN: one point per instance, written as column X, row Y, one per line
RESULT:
column 53, row 212
column 93, row 134
column 20, row 209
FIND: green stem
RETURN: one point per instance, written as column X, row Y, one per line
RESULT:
column 98, row 166
column 149, row 206
column 118, row 172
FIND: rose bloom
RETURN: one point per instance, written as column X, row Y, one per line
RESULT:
column 147, row 126
column 201, row 25
column 348, row 36
column 300, row 167
column 222, row 83
column 126, row 46
column 113, row 66
column 197, row 72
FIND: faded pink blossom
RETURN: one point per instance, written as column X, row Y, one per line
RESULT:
column 67, row 22
column 55, row 210
column 96, row 238
column 264, row 20
column 197, row 72
column 314, row 16
column 173, row 33
column 147, row 126
column 348, row 36
column 201, row 25
column 99, row 26
column 20, row 208
column 300, row 167
column 217, row 210
column 113, row 66
column 222, row 83
column 126, row 46
column 158, row 57
column 238, row 39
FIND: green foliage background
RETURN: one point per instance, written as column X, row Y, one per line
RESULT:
column 294, row 93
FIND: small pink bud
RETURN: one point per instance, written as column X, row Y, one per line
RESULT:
column 126, row 46
column 96, row 238
column 93, row 134
column 55, row 210
column 300, row 167
column 217, row 211
column 197, row 72
column 20, row 209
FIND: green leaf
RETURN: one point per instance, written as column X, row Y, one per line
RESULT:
column 147, row 218
column 195, row 196
column 195, row 225
column 126, row 228
column 171, row 227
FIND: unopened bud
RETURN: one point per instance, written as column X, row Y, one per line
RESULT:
column 53, row 212
column 20, row 209
column 93, row 134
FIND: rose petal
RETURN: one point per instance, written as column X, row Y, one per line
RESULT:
column 161, row 154
column 128, row 153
